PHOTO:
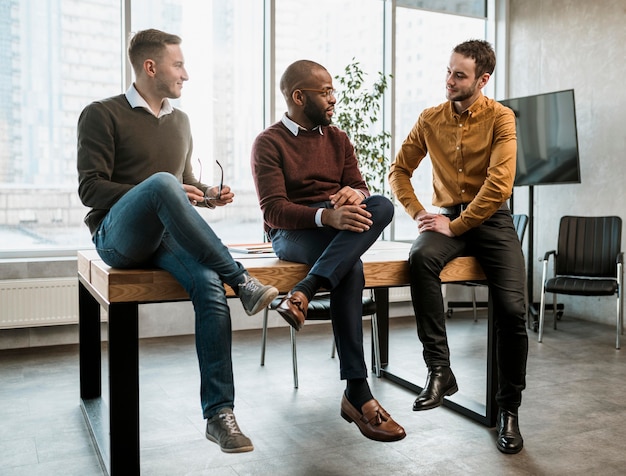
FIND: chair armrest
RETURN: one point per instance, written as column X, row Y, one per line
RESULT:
column 546, row 261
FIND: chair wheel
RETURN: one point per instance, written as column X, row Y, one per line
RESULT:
column 535, row 326
column 449, row 313
column 559, row 315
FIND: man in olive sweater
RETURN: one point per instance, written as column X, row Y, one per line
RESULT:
column 317, row 210
column 135, row 174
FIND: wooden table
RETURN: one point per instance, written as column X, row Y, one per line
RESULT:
column 115, row 430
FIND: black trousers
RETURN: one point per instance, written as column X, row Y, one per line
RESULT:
column 496, row 246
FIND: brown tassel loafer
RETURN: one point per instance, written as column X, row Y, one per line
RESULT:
column 374, row 422
column 293, row 309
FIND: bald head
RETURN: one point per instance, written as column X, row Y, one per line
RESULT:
column 298, row 75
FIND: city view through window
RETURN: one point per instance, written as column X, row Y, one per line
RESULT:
column 59, row 56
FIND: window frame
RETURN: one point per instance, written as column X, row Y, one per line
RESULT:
column 496, row 21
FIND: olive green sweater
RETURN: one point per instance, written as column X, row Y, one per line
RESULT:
column 119, row 147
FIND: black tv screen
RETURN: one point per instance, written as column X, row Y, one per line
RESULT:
column 547, row 140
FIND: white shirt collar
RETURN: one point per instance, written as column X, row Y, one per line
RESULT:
column 294, row 127
column 136, row 100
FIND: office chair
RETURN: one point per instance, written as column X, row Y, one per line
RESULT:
column 588, row 261
column 520, row 222
column 319, row 309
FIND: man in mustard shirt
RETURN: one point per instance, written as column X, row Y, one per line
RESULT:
column 472, row 146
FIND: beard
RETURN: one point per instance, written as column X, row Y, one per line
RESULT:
column 462, row 94
column 316, row 115
column 459, row 96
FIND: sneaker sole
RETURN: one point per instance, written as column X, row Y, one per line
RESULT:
column 241, row 449
column 262, row 303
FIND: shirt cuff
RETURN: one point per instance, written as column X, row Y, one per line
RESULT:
column 318, row 217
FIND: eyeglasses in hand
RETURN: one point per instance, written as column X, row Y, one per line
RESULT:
column 221, row 184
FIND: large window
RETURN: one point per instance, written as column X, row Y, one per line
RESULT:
column 56, row 57
column 424, row 41
column 59, row 55
column 331, row 33
column 223, row 48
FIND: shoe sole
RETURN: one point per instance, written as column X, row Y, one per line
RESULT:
column 262, row 303
column 508, row 451
column 349, row 419
column 449, row 393
column 241, row 449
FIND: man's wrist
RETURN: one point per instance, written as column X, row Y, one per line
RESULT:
column 318, row 218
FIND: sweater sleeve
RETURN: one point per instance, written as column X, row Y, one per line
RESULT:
column 96, row 158
column 270, row 182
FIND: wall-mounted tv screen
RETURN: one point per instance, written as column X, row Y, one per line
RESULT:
column 547, row 140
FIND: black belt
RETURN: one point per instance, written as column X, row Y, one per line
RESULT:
column 454, row 209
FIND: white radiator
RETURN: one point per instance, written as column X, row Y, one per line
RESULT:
column 38, row 302
column 403, row 294
column 400, row 294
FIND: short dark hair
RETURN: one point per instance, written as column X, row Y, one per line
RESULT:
column 481, row 52
column 149, row 44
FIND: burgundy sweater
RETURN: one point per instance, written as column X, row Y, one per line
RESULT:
column 292, row 172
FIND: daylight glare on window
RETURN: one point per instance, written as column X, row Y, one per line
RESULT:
column 81, row 46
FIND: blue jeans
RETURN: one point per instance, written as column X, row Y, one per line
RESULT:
column 336, row 256
column 496, row 246
column 155, row 225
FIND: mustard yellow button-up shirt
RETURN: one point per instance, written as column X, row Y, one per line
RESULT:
column 473, row 160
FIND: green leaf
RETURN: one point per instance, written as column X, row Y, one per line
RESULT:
column 358, row 115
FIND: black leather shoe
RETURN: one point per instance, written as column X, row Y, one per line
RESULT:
column 509, row 438
column 439, row 383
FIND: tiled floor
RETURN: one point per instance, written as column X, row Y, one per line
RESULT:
column 573, row 416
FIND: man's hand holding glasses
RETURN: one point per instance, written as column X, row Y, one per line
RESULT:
column 217, row 195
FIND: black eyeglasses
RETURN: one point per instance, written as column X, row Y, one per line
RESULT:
column 219, row 189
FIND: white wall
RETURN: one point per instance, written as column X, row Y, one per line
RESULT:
column 565, row 44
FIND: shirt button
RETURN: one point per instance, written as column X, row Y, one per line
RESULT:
column 460, row 170
column 463, row 191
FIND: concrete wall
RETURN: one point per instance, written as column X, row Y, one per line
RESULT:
column 575, row 44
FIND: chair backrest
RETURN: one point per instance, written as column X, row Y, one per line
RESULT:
column 520, row 222
column 588, row 246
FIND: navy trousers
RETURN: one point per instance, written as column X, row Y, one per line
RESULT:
column 336, row 256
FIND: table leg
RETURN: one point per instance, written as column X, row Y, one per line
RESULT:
column 491, row 407
column 124, row 388
column 381, row 297
column 89, row 347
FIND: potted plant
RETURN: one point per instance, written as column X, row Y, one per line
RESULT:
column 359, row 113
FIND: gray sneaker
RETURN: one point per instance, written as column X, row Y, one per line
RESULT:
column 254, row 295
column 223, row 430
